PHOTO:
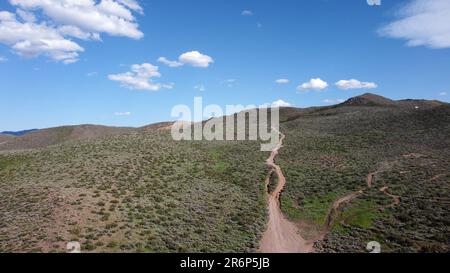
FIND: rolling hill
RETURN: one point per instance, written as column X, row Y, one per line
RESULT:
column 137, row 190
column 396, row 152
column 64, row 134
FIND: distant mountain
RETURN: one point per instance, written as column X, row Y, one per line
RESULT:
column 31, row 139
column 57, row 135
column 17, row 133
column 52, row 136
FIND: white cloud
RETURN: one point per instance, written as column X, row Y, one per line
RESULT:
column 333, row 101
column 443, row 94
column 3, row 59
column 7, row 16
column 282, row 81
column 78, row 33
column 26, row 16
column 108, row 16
column 355, row 84
column 422, row 23
column 200, row 87
column 313, row 84
column 195, row 59
column 133, row 5
column 30, row 39
column 169, row 85
column 122, row 114
column 60, row 19
column 247, row 13
column 280, row 103
column 169, row 63
column 140, row 78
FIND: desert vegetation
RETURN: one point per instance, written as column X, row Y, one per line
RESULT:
column 133, row 193
column 330, row 152
column 137, row 190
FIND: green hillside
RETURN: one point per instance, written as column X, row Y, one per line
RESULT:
column 140, row 191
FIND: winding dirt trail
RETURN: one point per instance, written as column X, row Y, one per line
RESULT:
column 395, row 198
column 281, row 235
column 335, row 209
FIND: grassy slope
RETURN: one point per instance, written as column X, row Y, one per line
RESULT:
column 142, row 193
column 145, row 192
column 328, row 153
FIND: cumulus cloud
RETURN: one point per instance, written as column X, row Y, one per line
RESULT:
column 280, row 103
column 422, row 23
column 355, row 84
column 169, row 63
column 333, row 101
column 140, row 78
column 195, row 59
column 443, row 94
column 247, row 13
column 26, row 16
column 313, row 84
column 122, row 114
column 75, row 32
column 133, row 5
column 169, row 85
column 61, row 19
column 30, row 39
column 282, row 81
column 108, row 16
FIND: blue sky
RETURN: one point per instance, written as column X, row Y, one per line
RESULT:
column 325, row 41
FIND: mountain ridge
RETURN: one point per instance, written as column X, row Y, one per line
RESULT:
column 31, row 139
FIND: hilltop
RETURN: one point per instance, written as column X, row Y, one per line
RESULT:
column 369, row 99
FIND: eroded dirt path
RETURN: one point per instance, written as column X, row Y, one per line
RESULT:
column 370, row 178
column 335, row 209
column 337, row 205
column 282, row 235
column 395, row 198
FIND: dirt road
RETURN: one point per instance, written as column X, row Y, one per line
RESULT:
column 282, row 235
